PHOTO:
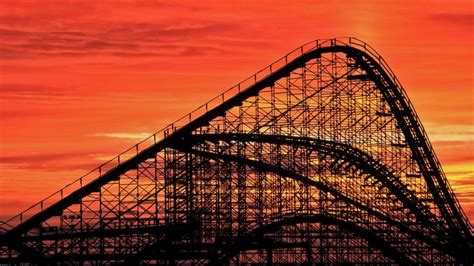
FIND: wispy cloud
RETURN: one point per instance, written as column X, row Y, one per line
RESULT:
column 459, row 19
column 450, row 132
column 117, row 39
column 48, row 95
column 49, row 161
column 130, row 136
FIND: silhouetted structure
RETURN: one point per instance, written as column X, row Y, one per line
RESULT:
column 318, row 158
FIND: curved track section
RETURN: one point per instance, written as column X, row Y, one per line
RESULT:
column 318, row 158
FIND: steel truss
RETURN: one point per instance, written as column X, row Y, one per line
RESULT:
column 321, row 159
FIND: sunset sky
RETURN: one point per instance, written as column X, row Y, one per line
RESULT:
column 80, row 82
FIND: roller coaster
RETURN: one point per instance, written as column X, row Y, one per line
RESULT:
column 319, row 158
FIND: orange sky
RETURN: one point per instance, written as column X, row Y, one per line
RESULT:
column 80, row 82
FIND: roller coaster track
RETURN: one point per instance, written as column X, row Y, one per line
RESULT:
column 318, row 158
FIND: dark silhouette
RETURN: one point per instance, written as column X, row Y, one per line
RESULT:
column 318, row 158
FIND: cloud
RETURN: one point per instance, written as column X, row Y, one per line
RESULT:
column 118, row 40
column 13, row 20
column 22, row 88
column 38, row 157
column 469, row 181
column 11, row 94
column 47, row 95
column 461, row 19
column 450, row 132
column 466, row 196
column 49, row 161
column 131, row 136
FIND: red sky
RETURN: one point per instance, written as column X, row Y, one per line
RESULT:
column 80, row 82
